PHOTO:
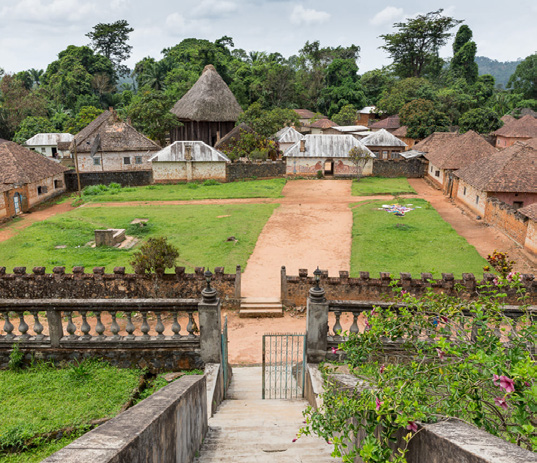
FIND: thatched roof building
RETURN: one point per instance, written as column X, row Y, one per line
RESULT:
column 208, row 111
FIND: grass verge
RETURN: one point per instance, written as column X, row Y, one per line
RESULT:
column 421, row 241
column 199, row 232
column 369, row 186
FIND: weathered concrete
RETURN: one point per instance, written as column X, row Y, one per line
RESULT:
column 247, row 428
column 167, row 427
column 317, row 329
column 211, row 322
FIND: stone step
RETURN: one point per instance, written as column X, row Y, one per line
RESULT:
column 263, row 300
column 261, row 307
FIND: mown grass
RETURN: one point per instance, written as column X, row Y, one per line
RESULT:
column 44, row 399
column 199, row 232
column 188, row 191
column 369, row 186
column 421, row 241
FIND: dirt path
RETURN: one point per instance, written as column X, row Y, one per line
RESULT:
column 311, row 228
column 483, row 237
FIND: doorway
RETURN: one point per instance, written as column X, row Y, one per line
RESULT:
column 17, row 203
column 329, row 167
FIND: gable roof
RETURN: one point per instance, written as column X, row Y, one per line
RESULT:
column 21, row 165
column 209, row 99
column 401, row 131
column 231, row 137
column 529, row 211
column 323, row 123
column 512, row 170
column 116, row 135
column 435, row 140
column 200, row 152
column 382, row 138
column 48, row 139
column 288, row 135
column 322, row 146
column 304, row 113
column 460, row 151
column 507, row 119
column 391, row 122
column 525, row 127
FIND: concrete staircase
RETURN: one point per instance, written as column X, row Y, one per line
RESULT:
column 255, row 307
column 249, row 429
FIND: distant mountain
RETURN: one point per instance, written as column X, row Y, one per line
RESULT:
column 500, row 70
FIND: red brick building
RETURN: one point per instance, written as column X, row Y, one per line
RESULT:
column 516, row 130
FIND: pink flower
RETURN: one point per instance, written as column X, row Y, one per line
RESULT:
column 441, row 354
column 495, row 281
column 334, row 350
column 412, row 426
column 328, row 442
column 378, row 404
column 366, row 321
column 527, row 384
column 510, row 276
column 495, row 380
column 507, row 383
column 294, row 440
column 501, row 402
column 382, row 368
column 403, row 292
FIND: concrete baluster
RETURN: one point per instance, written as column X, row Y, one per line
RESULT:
column 159, row 328
column 129, row 328
column 114, row 327
column 176, row 327
column 354, row 326
column 8, row 326
column 71, row 327
column 23, row 326
column 38, row 327
column 99, row 327
column 85, row 328
column 145, row 326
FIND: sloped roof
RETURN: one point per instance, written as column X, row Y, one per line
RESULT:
column 351, row 128
column 411, row 154
column 116, row 135
column 304, row 113
column 288, row 135
column 401, row 131
column 323, row 123
column 529, row 211
column 48, row 139
column 512, row 170
column 232, row 137
column 21, row 165
column 459, row 151
column 368, row 110
column 435, row 140
column 507, row 119
column 531, row 142
column 209, row 99
column 333, row 146
column 526, row 127
column 391, row 122
column 200, row 152
column 382, row 138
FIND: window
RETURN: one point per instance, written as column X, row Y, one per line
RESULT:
column 58, row 184
column 126, row 160
column 437, row 173
column 518, row 204
column 477, row 199
column 431, row 169
column 43, row 150
column 464, row 193
column 41, row 190
column 138, row 159
column 96, row 161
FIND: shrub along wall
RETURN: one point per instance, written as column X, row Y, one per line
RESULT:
column 240, row 170
column 133, row 178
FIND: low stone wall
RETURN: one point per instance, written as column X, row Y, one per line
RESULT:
column 506, row 219
column 124, row 178
column 410, row 168
column 294, row 289
column 119, row 285
column 240, row 170
column 167, row 427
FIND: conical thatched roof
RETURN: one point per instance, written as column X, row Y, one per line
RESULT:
column 209, row 99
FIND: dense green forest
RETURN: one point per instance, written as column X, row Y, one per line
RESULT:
column 500, row 70
column 428, row 93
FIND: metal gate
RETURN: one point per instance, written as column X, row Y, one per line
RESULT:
column 284, row 360
column 225, row 365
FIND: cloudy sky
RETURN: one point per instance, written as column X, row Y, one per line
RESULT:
column 32, row 32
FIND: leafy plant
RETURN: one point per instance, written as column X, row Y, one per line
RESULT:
column 155, row 255
column 16, row 358
column 211, row 182
column 500, row 262
column 320, row 174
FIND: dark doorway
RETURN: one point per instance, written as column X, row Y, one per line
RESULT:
column 17, row 203
column 329, row 167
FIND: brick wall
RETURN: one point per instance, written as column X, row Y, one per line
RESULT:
column 410, row 168
column 119, row 285
column 531, row 237
column 240, row 170
column 114, row 161
column 295, row 288
column 507, row 219
column 134, row 178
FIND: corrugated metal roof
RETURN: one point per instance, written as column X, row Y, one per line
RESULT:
column 48, row 139
column 410, row 154
column 322, row 146
column 288, row 135
column 351, row 128
column 200, row 151
column 368, row 110
column 382, row 138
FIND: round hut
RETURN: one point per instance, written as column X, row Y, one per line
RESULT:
column 208, row 111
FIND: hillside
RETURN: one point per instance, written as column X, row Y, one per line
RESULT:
column 501, row 70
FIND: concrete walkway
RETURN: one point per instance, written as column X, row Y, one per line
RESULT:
column 249, row 429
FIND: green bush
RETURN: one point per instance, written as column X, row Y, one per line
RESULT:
column 320, row 174
column 16, row 358
column 211, row 182
column 156, row 255
column 193, row 186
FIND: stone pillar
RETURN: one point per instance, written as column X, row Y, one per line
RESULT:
column 55, row 327
column 210, row 324
column 283, row 285
column 317, row 323
column 238, row 276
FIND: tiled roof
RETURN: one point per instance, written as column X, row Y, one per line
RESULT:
column 391, row 122
column 304, row 113
column 460, row 151
column 512, row 170
column 327, row 146
column 323, row 123
column 401, row 131
column 529, row 211
column 21, row 165
column 435, row 140
column 525, row 127
column 382, row 138
column 116, row 135
column 507, row 119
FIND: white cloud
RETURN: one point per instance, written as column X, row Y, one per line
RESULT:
column 118, row 5
column 301, row 15
column 214, row 8
column 177, row 24
column 388, row 15
column 42, row 11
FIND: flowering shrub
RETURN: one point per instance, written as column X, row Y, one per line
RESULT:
column 500, row 262
column 437, row 358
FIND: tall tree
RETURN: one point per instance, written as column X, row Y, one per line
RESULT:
column 524, row 80
column 414, row 48
column 464, row 50
column 110, row 40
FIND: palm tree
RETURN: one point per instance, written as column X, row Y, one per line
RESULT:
column 36, row 75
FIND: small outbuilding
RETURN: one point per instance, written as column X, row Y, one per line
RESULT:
column 287, row 137
column 51, row 145
column 207, row 112
column 321, row 126
column 384, row 145
column 186, row 161
column 516, row 130
column 329, row 154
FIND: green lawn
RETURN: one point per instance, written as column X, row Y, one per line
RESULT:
column 200, row 233
column 188, row 191
column 368, row 186
column 45, row 399
column 421, row 241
